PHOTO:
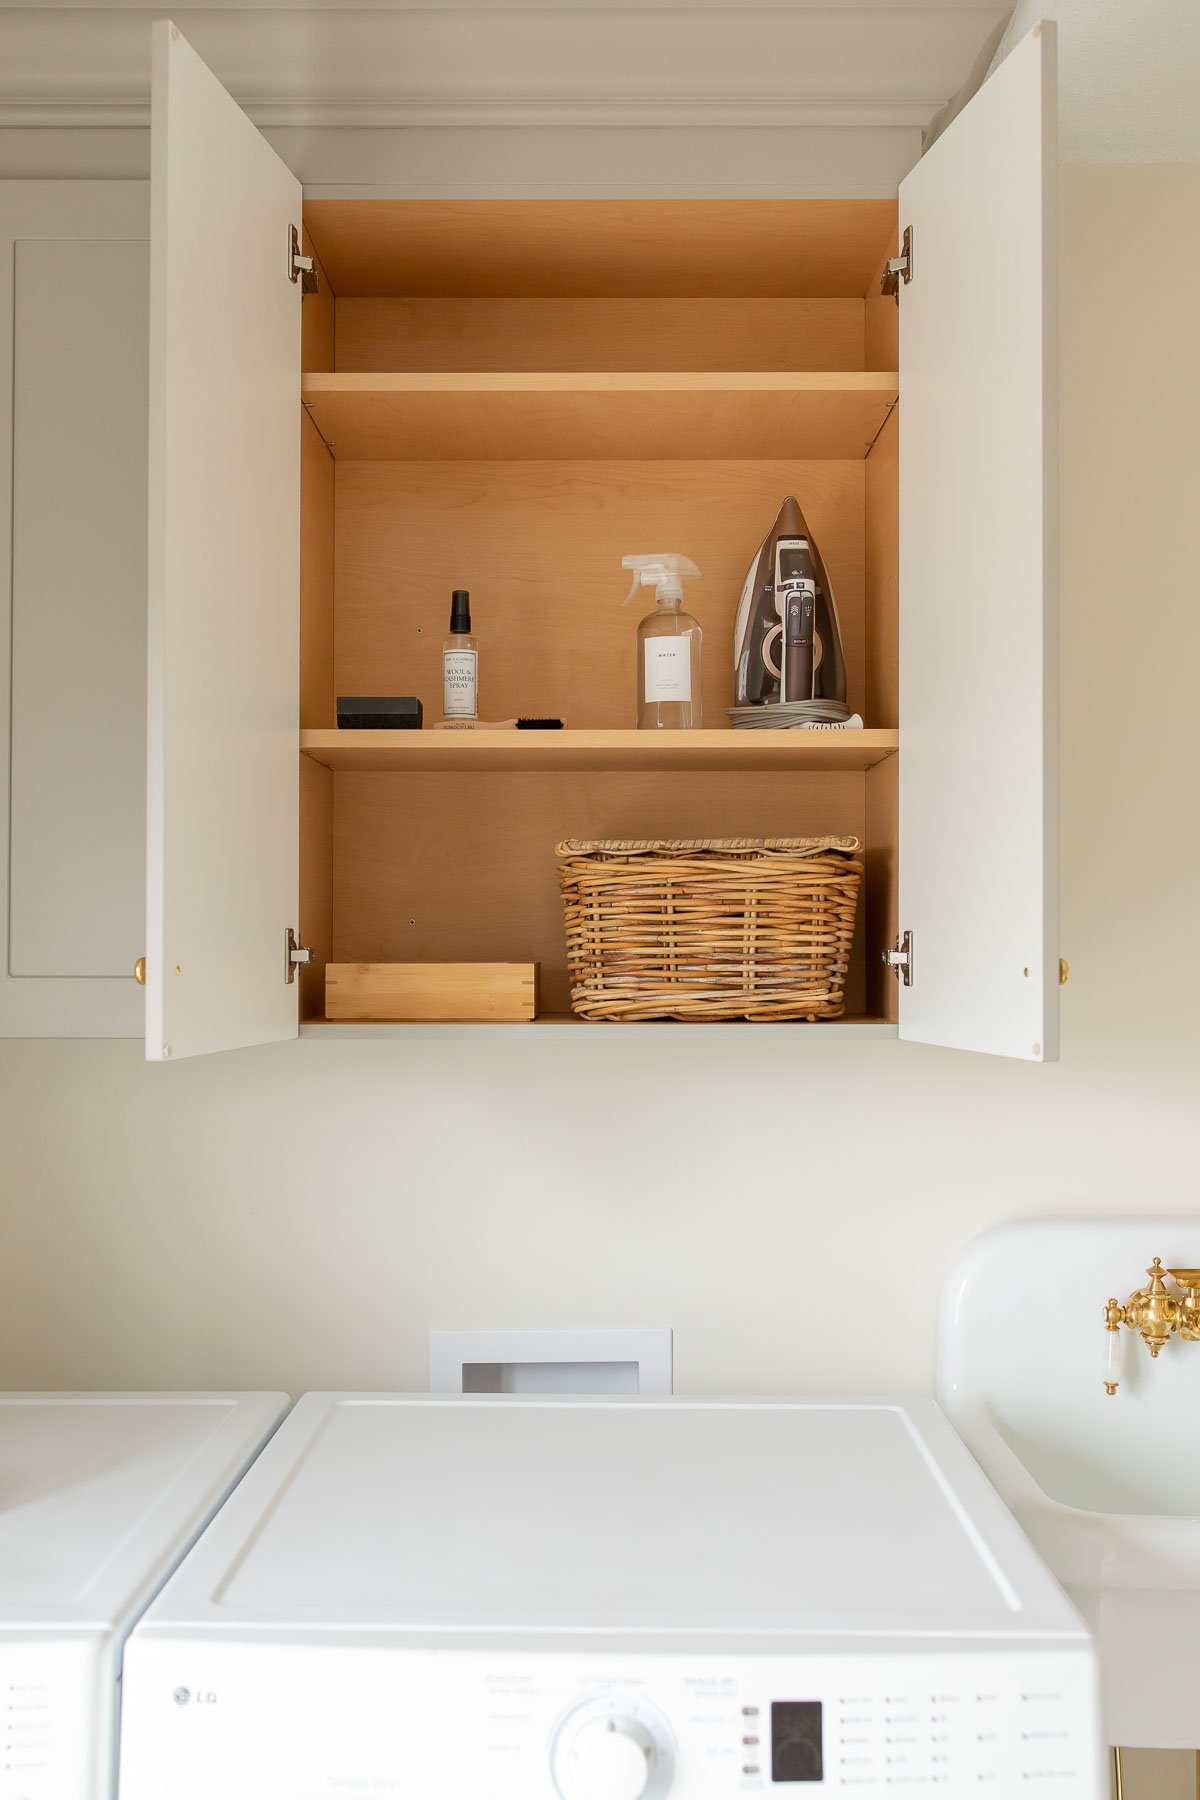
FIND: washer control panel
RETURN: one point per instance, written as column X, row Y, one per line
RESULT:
column 291, row 1721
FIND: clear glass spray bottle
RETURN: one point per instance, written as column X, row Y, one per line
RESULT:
column 669, row 695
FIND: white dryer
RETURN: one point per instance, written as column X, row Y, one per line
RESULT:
column 100, row 1495
column 463, row 1598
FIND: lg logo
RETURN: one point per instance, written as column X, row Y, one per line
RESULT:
column 183, row 1696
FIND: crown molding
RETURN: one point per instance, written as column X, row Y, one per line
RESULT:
column 449, row 8
column 463, row 113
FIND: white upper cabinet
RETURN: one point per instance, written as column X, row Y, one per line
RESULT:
column 73, row 303
column 976, row 838
column 978, row 573
column 222, row 820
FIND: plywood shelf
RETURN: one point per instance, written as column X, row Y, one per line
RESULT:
column 559, row 249
column 507, row 752
column 552, row 1026
column 653, row 416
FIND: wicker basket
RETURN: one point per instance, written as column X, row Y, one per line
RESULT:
column 713, row 928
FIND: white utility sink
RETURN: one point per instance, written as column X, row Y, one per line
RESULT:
column 1106, row 1486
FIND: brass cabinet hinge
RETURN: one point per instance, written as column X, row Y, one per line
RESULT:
column 300, row 268
column 899, row 959
column 295, row 955
column 899, row 268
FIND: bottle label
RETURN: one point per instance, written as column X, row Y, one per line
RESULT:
column 458, row 684
column 668, row 669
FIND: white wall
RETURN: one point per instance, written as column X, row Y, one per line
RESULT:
column 301, row 1216
column 1127, row 77
column 543, row 163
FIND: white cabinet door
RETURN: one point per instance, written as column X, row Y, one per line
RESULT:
column 73, row 307
column 223, row 779
column 978, row 573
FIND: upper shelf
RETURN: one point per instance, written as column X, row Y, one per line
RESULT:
column 652, row 416
column 581, row 751
column 562, row 249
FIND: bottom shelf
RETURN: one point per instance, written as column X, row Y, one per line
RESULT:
column 439, row 866
column 551, row 1025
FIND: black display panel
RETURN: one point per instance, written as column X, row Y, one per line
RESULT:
column 797, row 1751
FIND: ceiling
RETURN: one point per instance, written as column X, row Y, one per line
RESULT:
column 583, row 63
column 1129, row 69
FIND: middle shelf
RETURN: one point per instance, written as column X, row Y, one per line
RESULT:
column 647, row 416
column 695, row 752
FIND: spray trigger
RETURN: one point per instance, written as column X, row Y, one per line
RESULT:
column 665, row 571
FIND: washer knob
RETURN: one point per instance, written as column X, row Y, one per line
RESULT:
column 609, row 1758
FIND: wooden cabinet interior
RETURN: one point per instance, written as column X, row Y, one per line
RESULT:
column 420, row 857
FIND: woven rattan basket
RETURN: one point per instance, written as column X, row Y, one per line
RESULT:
column 712, row 928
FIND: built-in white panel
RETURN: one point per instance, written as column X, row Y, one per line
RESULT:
column 73, row 382
column 77, row 843
column 551, row 1362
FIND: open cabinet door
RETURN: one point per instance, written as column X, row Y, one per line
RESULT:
column 222, row 849
column 978, row 571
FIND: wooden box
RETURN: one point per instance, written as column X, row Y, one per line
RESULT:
column 492, row 991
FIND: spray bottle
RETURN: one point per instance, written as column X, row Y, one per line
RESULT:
column 668, row 646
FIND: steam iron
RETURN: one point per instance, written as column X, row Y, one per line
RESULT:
column 787, row 647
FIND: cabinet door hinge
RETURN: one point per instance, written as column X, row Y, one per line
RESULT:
column 899, row 268
column 300, row 268
column 295, row 955
column 899, row 959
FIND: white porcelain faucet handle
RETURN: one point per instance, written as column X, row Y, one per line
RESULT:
column 1114, row 1357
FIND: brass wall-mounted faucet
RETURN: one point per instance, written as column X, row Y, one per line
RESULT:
column 1155, row 1313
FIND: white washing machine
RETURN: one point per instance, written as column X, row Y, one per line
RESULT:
column 100, row 1495
column 463, row 1598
